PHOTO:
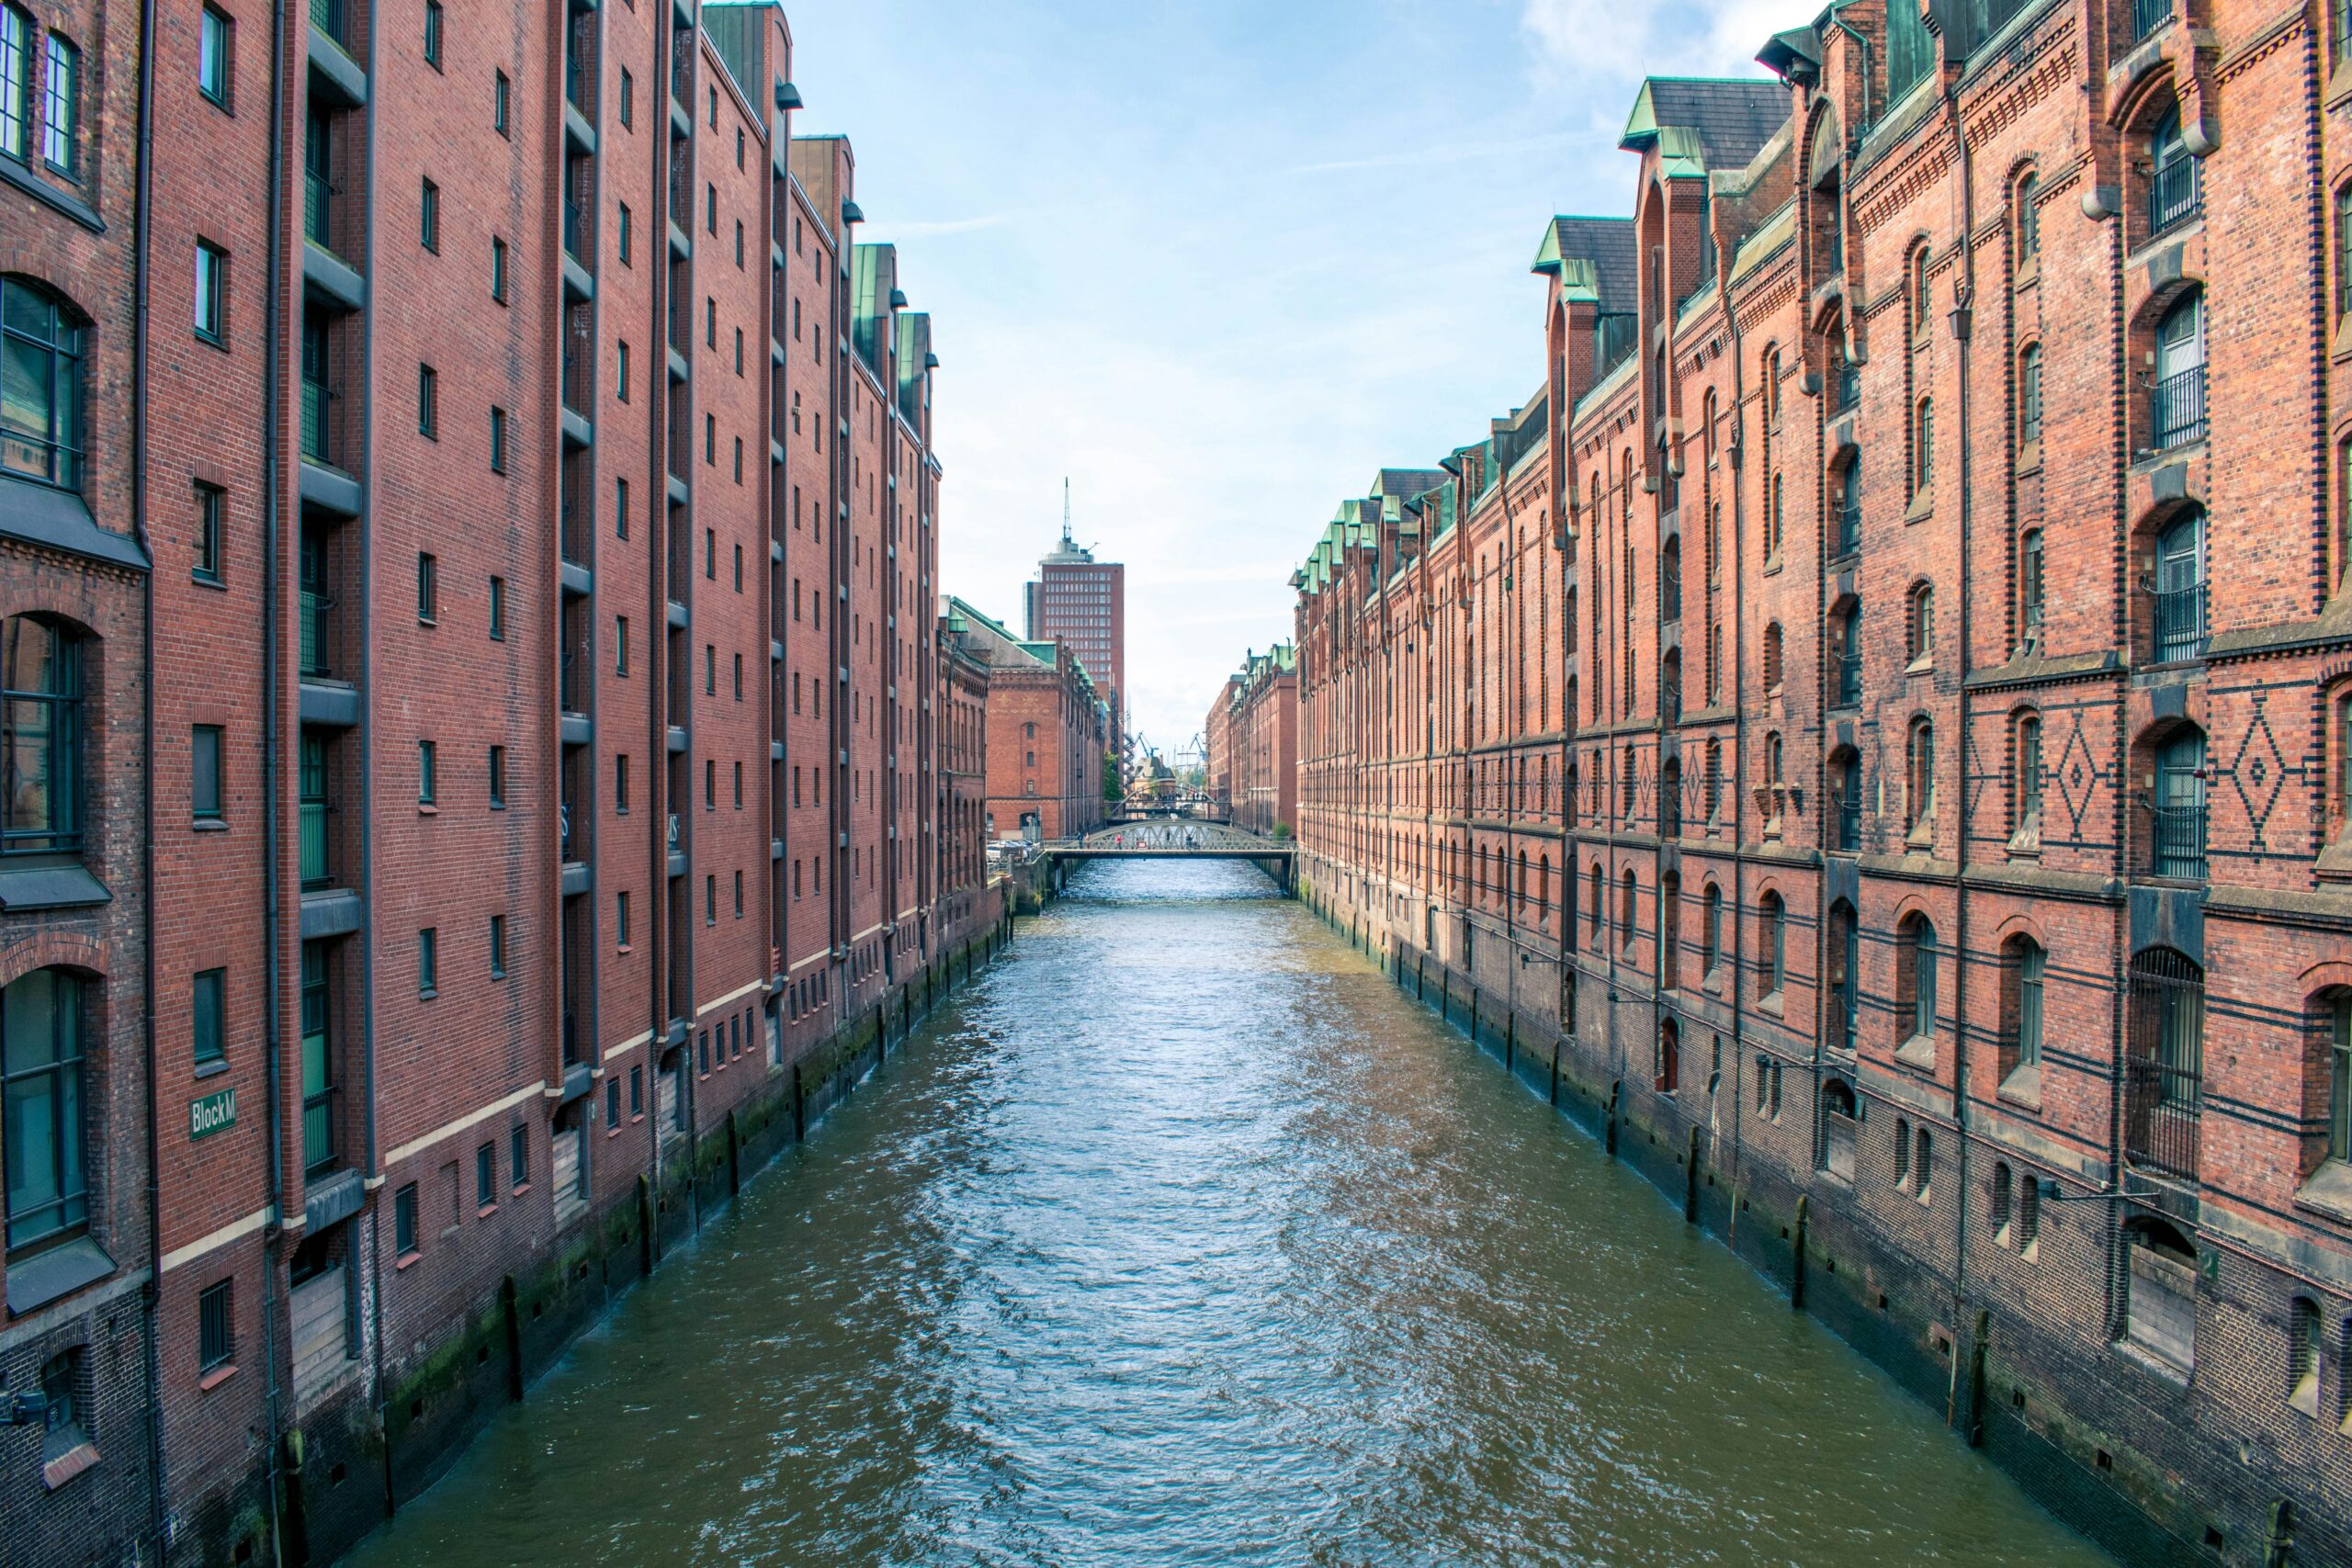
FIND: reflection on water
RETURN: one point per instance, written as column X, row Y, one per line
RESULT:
column 1183, row 1238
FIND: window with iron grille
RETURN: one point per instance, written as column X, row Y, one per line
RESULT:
column 216, row 1341
column 2165, row 1065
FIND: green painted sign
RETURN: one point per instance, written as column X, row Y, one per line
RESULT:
column 211, row 1113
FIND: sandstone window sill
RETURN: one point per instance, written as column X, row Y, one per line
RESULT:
column 1923, row 665
column 1772, row 564
column 215, row 1378
column 2328, row 1191
column 2156, row 1365
column 409, row 1260
column 1773, row 1002
column 2023, row 1087
column 82, row 1456
column 1922, row 507
column 2029, row 458
column 1917, row 1052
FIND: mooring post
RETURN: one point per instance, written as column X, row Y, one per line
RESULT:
column 644, row 1226
column 1976, row 1378
column 1552, row 1094
column 1796, row 1279
column 514, row 1316
column 1510, row 1040
column 1690, row 1183
column 799, row 1108
column 1422, row 978
column 1609, row 1137
column 734, row 1155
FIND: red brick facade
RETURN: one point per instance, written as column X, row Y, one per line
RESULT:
column 1259, row 730
column 499, row 596
column 1865, row 735
column 1045, row 736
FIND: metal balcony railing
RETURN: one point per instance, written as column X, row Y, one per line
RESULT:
column 318, row 202
column 1849, row 389
column 1849, row 823
column 682, row 69
column 314, row 632
column 569, row 685
column 2147, row 16
column 563, row 830
column 1669, row 699
column 2180, row 622
column 2178, row 836
column 1850, row 528
column 1849, row 674
column 2172, row 194
column 317, row 867
column 2176, row 408
column 326, row 16
column 315, row 398
column 2160, row 1118
column 318, row 1132
column 2163, row 1072
column 574, row 230
column 673, row 832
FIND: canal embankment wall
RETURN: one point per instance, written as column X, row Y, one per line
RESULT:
column 350, row 1465
column 1739, row 1160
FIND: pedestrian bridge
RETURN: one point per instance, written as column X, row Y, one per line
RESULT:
column 1175, row 841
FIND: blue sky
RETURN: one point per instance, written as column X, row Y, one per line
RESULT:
column 1218, row 262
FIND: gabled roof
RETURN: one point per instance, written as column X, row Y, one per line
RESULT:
column 1595, row 259
column 1728, row 121
column 1407, row 483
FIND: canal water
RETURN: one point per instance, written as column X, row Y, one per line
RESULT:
column 1182, row 1237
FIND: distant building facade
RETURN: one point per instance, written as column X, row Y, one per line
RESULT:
column 1262, row 729
column 1047, row 731
column 1083, row 602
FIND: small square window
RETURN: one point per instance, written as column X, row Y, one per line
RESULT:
column 405, row 1220
column 428, row 217
column 497, row 609
column 429, row 402
column 204, row 773
column 215, row 55
column 428, row 962
column 216, row 1344
column 209, row 505
column 428, row 588
column 497, row 947
column 497, row 441
column 424, row 782
column 432, row 33
column 501, row 95
column 212, row 292
column 486, row 1176
column 518, row 1156
column 206, row 1031
column 498, row 778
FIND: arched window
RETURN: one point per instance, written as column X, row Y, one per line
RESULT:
column 2022, row 963
column 1714, row 783
column 40, row 417
column 1902, row 1152
column 2330, row 1073
column 1627, row 892
column 1920, row 624
column 1670, row 799
column 1772, row 671
column 47, row 1110
column 1669, row 932
column 1923, row 447
column 40, row 737
column 1772, row 919
column 1712, row 935
column 1592, row 903
column 2029, row 581
column 1914, row 982
column 2164, row 1066
column 2303, row 1355
column 2028, row 1223
column 1837, row 1129
column 2026, row 787
column 2003, row 1201
column 1844, row 955
column 1920, row 301
column 2029, row 222
column 2172, row 194
column 2160, row 1293
column 2030, row 396
column 2344, row 244
column 1772, row 519
column 1667, row 1068
column 1919, row 777
column 2177, row 400
column 2177, row 810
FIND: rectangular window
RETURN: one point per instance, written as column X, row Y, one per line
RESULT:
column 620, row 918
column 204, row 773
column 709, row 322
column 738, row 786
column 710, row 783
column 620, row 782
column 405, row 1220
column 215, row 51
column 432, row 33
column 620, row 508
column 709, row 669
column 710, row 208
column 428, row 217
column 739, row 677
column 207, row 995
column 215, row 1342
column 710, row 440
column 16, row 79
column 497, row 947
column 486, row 1176
column 428, row 588
column 628, row 100
column 620, row 378
column 498, row 609
column 739, row 894
column 519, row 1157
column 637, row 1092
column 428, row 962
column 429, row 402
column 211, row 291
column 710, row 901
column 498, row 270
column 612, row 1103
column 61, row 143
column 424, row 773
column 209, row 501
column 502, row 93
column 497, row 441
column 625, row 228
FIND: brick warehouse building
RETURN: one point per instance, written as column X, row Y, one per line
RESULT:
column 1260, row 733
column 1046, row 733
column 475, row 702
column 1083, row 602
column 1870, row 731
column 1216, row 744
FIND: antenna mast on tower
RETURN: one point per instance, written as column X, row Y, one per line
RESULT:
column 1065, row 509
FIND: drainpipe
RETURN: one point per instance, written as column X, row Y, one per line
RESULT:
column 273, row 915
column 1962, row 329
column 141, row 229
column 1736, row 450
